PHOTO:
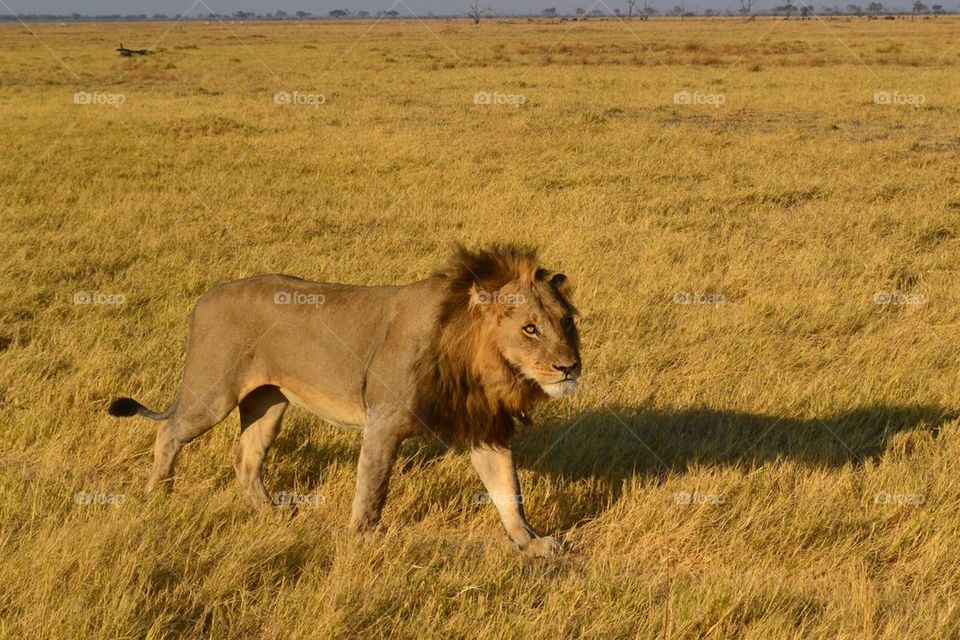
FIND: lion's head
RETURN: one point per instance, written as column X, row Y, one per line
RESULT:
column 505, row 338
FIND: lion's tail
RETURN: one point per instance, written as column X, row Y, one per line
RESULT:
column 127, row 407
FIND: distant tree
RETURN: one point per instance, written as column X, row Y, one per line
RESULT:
column 918, row 7
column 391, row 13
column 875, row 8
column 303, row 14
column 339, row 13
column 549, row 13
column 475, row 12
column 806, row 10
column 595, row 13
column 363, row 14
column 937, row 9
column 647, row 9
column 161, row 16
column 631, row 4
column 855, row 9
column 709, row 13
column 746, row 9
column 580, row 11
column 616, row 11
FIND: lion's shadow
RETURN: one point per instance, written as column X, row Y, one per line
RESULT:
column 616, row 443
column 611, row 446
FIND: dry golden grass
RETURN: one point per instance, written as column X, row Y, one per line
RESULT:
column 813, row 430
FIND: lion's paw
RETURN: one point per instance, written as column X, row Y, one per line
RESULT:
column 368, row 528
column 544, row 547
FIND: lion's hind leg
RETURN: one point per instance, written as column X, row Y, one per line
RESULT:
column 165, row 450
column 261, row 412
column 194, row 415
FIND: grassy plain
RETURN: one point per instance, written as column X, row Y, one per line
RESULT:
column 766, row 441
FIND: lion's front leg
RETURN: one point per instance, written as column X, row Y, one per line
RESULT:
column 377, row 453
column 495, row 467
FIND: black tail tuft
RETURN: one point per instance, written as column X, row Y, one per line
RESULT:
column 124, row 408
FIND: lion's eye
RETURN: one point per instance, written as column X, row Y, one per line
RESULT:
column 531, row 330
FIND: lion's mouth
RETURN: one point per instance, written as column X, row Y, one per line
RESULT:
column 563, row 387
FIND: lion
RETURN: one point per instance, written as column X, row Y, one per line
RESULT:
column 462, row 356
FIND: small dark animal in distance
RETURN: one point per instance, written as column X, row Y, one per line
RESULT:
column 127, row 53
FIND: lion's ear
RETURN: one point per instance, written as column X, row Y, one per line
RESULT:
column 561, row 284
column 478, row 295
column 496, row 300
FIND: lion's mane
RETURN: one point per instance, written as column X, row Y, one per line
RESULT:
column 467, row 393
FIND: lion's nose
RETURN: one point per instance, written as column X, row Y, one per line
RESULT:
column 567, row 368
